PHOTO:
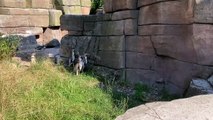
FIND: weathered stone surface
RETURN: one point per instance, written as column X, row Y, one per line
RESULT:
column 73, row 10
column 130, row 27
column 85, row 10
column 52, row 34
column 139, row 44
column 124, row 4
column 116, row 43
column 165, row 30
column 69, row 2
column 13, row 3
column 180, row 73
column 22, row 30
column 109, row 28
column 199, row 87
column 196, row 108
column 139, row 61
column 22, row 11
column 42, row 4
column 54, row 17
column 172, row 46
column 112, row 59
column 86, row 3
column 89, row 26
column 126, row 14
column 24, row 20
column 203, row 43
column 203, row 11
column 174, row 12
column 148, row 2
column 148, row 77
column 71, row 22
column 108, row 6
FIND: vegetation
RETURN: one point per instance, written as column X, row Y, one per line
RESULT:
column 48, row 92
column 8, row 46
column 96, row 4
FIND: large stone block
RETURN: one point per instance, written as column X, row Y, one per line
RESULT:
column 22, row 11
column 140, row 44
column 54, row 17
column 22, row 30
column 127, row 14
column 71, row 23
column 52, row 34
column 203, row 12
column 130, row 27
column 203, row 43
column 86, row 3
column 24, row 20
column 148, row 2
column 116, row 43
column 180, row 73
column 13, row 3
column 69, row 2
column 109, row 28
column 124, row 5
column 148, row 77
column 181, row 30
column 73, row 10
column 178, row 47
column 173, row 12
column 108, row 6
column 112, row 59
column 139, row 61
column 42, row 4
column 85, row 10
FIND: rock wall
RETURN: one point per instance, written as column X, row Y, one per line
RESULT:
column 165, row 42
column 40, row 18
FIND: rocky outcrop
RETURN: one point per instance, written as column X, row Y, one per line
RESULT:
column 154, row 41
column 195, row 108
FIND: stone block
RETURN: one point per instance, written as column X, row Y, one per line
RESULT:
column 165, row 30
column 112, row 59
column 127, row 14
column 22, row 30
column 203, row 43
column 86, row 3
column 69, row 2
column 46, row 4
column 85, row 10
column 22, row 11
column 89, row 26
column 149, row 2
column 141, row 44
column 13, row 3
column 24, row 20
column 139, row 61
column 73, row 10
column 177, row 47
column 109, row 28
column 72, row 23
column 173, row 12
column 203, row 12
column 130, row 27
column 124, row 5
column 108, row 6
column 54, row 17
column 113, row 43
column 148, row 77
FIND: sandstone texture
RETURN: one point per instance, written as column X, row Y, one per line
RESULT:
column 182, row 109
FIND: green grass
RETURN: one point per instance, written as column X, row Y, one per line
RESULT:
column 47, row 92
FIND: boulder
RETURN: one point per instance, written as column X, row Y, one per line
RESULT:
column 54, row 17
column 195, row 108
column 199, row 87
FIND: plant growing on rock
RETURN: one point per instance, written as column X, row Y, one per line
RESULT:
column 8, row 46
column 96, row 4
